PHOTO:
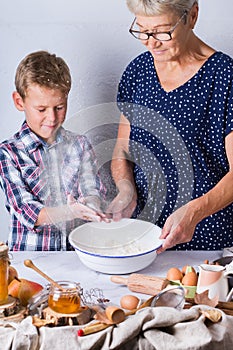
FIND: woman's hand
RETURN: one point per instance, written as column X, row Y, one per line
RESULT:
column 122, row 206
column 124, row 203
column 178, row 228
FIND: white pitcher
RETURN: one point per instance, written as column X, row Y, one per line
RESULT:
column 214, row 279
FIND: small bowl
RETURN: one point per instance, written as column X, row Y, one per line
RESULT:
column 119, row 247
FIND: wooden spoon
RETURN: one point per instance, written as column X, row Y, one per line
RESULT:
column 112, row 315
column 30, row 264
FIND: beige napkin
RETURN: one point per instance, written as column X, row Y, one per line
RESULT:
column 18, row 336
column 164, row 328
column 157, row 328
column 152, row 328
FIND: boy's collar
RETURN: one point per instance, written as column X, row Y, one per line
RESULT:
column 32, row 141
column 59, row 139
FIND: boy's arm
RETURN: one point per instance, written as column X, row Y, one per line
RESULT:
column 71, row 211
column 26, row 206
column 19, row 201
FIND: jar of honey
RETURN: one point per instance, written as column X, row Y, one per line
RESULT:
column 4, row 265
column 65, row 300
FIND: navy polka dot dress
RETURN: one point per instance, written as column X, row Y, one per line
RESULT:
column 177, row 142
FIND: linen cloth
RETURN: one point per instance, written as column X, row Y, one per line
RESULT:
column 158, row 328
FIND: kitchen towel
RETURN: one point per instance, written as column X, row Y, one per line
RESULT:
column 157, row 328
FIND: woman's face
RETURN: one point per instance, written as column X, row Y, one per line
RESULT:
column 164, row 51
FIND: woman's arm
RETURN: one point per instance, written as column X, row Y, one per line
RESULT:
column 180, row 225
column 125, row 202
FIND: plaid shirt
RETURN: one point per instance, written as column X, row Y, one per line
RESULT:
column 34, row 175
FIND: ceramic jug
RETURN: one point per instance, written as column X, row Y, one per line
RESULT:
column 214, row 279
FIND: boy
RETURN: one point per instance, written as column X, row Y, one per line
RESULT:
column 47, row 173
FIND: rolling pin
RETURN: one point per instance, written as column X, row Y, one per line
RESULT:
column 139, row 283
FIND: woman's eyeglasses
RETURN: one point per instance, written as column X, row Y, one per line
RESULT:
column 160, row 36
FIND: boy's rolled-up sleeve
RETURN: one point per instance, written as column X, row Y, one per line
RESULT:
column 20, row 200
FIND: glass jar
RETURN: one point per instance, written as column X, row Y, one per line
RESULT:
column 4, row 266
column 65, row 300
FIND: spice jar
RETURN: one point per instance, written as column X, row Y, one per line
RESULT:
column 65, row 300
column 4, row 264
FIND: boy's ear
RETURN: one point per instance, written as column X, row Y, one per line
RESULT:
column 18, row 101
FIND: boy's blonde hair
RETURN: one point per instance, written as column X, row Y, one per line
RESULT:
column 44, row 69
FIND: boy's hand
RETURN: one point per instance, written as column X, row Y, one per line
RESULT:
column 86, row 211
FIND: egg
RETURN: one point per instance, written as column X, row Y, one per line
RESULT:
column 187, row 268
column 190, row 279
column 174, row 274
column 129, row 302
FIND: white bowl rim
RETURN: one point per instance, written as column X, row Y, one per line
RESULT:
column 118, row 256
column 108, row 255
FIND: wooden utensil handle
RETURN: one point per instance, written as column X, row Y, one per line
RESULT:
column 139, row 283
column 151, row 285
column 93, row 328
column 30, row 264
column 225, row 305
column 119, row 280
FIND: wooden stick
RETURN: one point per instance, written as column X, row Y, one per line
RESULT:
column 93, row 328
column 225, row 305
column 30, row 264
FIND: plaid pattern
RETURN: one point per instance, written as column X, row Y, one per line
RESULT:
column 34, row 175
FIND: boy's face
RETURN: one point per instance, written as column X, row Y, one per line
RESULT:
column 45, row 110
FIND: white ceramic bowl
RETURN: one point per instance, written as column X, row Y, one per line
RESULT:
column 118, row 247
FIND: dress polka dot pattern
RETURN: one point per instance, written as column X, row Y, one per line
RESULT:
column 177, row 142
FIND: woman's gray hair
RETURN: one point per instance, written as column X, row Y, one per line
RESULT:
column 158, row 7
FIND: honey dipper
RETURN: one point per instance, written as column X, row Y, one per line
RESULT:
column 30, row 264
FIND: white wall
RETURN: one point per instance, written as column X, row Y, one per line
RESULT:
column 92, row 36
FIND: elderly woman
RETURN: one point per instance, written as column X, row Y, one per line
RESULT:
column 173, row 158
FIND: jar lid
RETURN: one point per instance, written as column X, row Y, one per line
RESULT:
column 38, row 299
column 3, row 250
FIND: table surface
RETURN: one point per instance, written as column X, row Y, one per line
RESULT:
column 67, row 266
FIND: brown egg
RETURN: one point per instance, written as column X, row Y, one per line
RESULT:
column 190, row 279
column 187, row 268
column 129, row 302
column 174, row 274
